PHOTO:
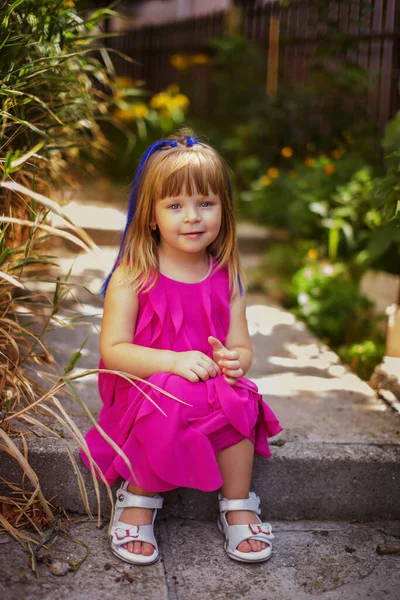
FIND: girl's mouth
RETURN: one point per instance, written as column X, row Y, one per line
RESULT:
column 194, row 234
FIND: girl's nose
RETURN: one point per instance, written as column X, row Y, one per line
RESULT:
column 191, row 215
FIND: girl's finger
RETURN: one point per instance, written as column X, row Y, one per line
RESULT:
column 229, row 364
column 230, row 380
column 210, row 366
column 190, row 375
column 231, row 354
column 234, row 373
column 201, row 372
column 216, row 344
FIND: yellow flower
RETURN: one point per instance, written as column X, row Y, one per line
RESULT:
column 273, row 172
column 309, row 161
column 173, row 88
column 140, row 111
column 312, row 254
column 200, row 59
column 160, row 101
column 123, row 115
column 68, row 3
column 124, row 82
column 287, row 152
column 180, row 62
column 265, row 180
column 181, row 101
column 336, row 153
column 329, row 169
column 293, row 173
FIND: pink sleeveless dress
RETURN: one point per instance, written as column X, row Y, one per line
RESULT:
column 179, row 449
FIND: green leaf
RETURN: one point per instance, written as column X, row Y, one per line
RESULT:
column 75, row 357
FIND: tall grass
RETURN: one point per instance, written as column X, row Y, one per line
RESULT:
column 55, row 74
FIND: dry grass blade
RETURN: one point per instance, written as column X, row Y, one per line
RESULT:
column 11, row 280
column 126, row 376
column 50, row 204
column 18, row 535
column 95, row 424
column 28, row 471
column 52, row 230
column 77, row 436
column 20, row 161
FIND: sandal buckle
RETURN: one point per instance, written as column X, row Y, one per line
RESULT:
column 255, row 529
column 130, row 532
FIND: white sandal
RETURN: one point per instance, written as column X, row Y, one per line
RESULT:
column 122, row 533
column 234, row 534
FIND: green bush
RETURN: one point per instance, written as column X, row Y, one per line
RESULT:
column 331, row 304
column 363, row 356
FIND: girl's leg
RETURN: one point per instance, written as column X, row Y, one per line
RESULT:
column 138, row 516
column 236, row 465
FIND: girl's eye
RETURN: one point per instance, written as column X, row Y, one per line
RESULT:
column 174, row 206
column 206, row 204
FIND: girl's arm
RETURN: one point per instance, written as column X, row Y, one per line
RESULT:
column 238, row 337
column 118, row 325
column 236, row 356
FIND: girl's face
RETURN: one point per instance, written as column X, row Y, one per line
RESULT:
column 188, row 223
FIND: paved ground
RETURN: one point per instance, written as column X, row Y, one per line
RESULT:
column 328, row 560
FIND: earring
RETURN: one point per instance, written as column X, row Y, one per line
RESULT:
column 154, row 227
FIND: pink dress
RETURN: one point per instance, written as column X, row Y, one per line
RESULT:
column 179, row 449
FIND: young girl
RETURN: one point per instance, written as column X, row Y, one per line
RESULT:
column 174, row 315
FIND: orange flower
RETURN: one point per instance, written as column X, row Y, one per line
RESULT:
column 200, row 59
column 287, row 152
column 180, row 62
column 273, row 172
column 124, row 82
column 336, row 153
column 329, row 169
column 309, row 161
column 265, row 180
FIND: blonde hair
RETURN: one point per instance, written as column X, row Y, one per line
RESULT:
column 167, row 172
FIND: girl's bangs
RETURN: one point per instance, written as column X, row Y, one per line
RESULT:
column 194, row 177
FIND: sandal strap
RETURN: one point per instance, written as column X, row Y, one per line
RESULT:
column 239, row 533
column 126, row 499
column 122, row 533
column 252, row 504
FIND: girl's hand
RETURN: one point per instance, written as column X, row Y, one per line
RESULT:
column 228, row 360
column 194, row 366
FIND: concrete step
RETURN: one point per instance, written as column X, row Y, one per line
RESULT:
column 334, row 560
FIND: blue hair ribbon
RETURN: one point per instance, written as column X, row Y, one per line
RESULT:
column 191, row 141
column 133, row 198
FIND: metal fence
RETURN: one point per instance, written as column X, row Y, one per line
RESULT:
column 367, row 32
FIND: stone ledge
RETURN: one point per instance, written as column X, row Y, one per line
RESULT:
column 303, row 480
